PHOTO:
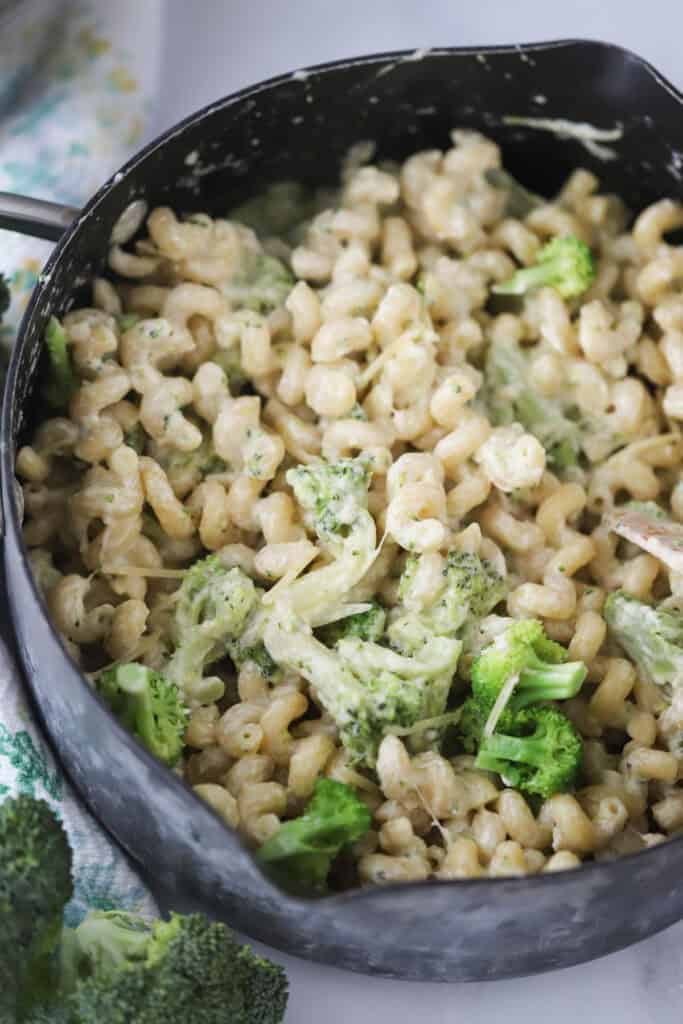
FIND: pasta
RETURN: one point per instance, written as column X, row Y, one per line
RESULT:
column 207, row 367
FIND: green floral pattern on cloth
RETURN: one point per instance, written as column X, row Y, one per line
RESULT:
column 81, row 117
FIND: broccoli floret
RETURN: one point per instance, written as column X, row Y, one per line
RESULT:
column 279, row 210
column 60, row 381
column 652, row 638
column 334, row 500
column 149, row 706
column 188, row 968
column 262, row 284
column 5, row 296
column 367, row 625
column 563, row 428
column 471, row 588
column 301, row 852
column 532, row 667
column 565, row 264
column 366, row 688
column 540, row 753
column 212, row 609
column 115, row 967
column 35, row 885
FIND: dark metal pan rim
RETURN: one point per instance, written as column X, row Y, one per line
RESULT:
column 378, row 894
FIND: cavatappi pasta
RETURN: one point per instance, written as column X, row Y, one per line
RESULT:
column 213, row 360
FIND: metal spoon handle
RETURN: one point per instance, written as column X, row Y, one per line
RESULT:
column 35, row 217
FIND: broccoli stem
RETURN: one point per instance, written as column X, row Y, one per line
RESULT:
column 543, row 680
column 523, row 750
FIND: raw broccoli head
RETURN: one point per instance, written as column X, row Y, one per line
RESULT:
column 212, row 609
column 188, row 968
column 565, row 264
column 523, row 654
column 471, row 588
column 60, row 381
column 35, row 886
column 301, row 852
column 331, row 495
column 540, row 752
column 367, row 625
column 652, row 638
column 149, row 705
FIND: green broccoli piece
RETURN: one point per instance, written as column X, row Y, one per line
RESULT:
column 60, row 381
column 565, row 264
column 651, row 636
column 334, row 501
column 115, row 967
column 301, row 852
column 35, row 886
column 367, row 625
column 368, row 690
column 541, row 753
column 532, row 666
column 213, row 607
column 564, row 429
column 471, row 589
column 279, row 210
column 188, row 968
column 149, row 706
column 262, row 284
column 5, row 295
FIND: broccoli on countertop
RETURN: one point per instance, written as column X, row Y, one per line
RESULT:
column 565, row 264
column 540, row 752
column 149, row 706
column 115, row 966
column 60, row 381
column 35, row 885
column 301, row 852
column 651, row 636
column 185, row 969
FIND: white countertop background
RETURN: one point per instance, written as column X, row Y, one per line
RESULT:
column 216, row 46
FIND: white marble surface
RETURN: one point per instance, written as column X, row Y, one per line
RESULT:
column 214, row 47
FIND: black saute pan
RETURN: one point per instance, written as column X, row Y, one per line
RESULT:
column 299, row 127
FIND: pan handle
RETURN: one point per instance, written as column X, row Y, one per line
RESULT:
column 35, row 217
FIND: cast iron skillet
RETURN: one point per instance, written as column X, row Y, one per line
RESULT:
column 299, row 127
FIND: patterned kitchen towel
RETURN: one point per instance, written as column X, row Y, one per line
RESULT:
column 81, row 117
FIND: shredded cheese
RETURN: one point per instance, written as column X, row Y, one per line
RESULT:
column 500, row 705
